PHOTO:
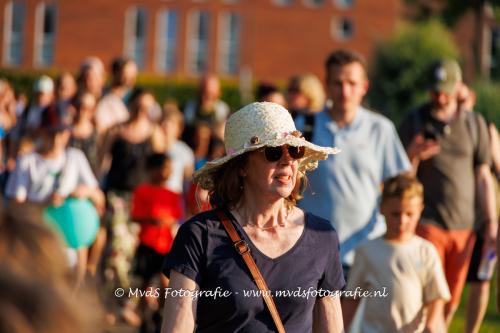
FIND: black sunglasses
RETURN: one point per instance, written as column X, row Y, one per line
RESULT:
column 274, row 154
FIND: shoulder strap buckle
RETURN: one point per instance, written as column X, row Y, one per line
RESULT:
column 241, row 246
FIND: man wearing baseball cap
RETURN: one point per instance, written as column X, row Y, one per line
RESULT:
column 449, row 151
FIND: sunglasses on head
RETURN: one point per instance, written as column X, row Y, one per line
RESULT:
column 274, row 154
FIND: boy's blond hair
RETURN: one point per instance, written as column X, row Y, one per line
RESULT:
column 403, row 186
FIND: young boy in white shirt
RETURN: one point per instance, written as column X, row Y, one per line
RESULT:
column 403, row 265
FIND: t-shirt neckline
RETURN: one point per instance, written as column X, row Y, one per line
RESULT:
column 255, row 249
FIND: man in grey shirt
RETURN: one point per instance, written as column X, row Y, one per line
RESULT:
column 449, row 151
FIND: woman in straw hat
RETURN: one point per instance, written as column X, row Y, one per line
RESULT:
column 256, row 263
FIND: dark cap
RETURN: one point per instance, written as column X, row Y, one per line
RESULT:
column 52, row 120
column 444, row 75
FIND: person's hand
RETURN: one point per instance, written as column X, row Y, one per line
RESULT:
column 422, row 149
column 57, row 200
column 490, row 237
column 81, row 192
column 11, row 164
column 166, row 221
column 99, row 200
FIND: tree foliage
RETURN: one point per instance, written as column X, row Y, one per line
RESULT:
column 488, row 100
column 398, row 80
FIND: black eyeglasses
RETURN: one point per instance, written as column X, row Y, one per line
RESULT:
column 274, row 154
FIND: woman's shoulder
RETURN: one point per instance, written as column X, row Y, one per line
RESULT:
column 202, row 221
column 320, row 228
column 74, row 152
column 318, row 223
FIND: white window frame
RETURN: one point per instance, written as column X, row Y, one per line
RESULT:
column 311, row 4
column 130, row 41
column 336, row 31
column 40, row 38
column 162, row 42
column 193, row 42
column 8, row 35
column 225, row 45
column 341, row 4
column 283, row 3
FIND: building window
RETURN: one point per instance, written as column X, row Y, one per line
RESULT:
column 45, row 34
column 167, row 40
column 283, row 2
column 344, row 3
column 229, row 43
column 198, row 42
column 342, row 29
column 314, row 3
column 495, row 54
column 135, row 35
column 14, row 33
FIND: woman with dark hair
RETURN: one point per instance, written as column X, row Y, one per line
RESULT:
column 256, row 244
column 91, row 77
column 125, row 150
column 84, row 137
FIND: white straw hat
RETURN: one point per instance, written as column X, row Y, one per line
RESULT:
column 259, row 125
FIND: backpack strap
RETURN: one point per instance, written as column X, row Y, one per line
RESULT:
column 244, row 250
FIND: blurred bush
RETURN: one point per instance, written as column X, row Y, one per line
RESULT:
column 164, row 89
column 398, row 70
column 488, row 100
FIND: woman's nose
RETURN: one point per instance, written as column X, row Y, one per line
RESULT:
column 286, row 158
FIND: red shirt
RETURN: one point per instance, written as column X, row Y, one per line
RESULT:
column 151, row 201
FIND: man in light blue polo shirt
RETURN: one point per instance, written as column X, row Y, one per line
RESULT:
column 346, row 188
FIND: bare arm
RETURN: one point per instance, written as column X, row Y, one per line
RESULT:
column 486, row 195
column 435, row 316
column 104, row 150
column 349, row 306
column 327, row 315
column 495, row 148
column 179, row 314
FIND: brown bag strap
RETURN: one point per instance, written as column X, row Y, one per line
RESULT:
column 242, row 247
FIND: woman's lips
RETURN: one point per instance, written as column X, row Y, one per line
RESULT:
column 285, row 179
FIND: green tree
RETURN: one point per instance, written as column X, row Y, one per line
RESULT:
column 398, row 72
column 451, row 11
column 488, row 100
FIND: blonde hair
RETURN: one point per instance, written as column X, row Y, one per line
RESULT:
column 403, row 186
column 311, row 87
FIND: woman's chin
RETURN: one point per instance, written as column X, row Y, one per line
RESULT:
column 284, row 191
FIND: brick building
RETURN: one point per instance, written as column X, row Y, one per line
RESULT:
column 268, row 39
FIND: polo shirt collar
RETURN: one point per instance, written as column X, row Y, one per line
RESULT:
column 332, row 125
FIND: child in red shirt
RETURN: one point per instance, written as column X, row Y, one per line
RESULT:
column 158, row 210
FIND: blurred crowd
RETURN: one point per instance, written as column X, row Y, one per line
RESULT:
column 98, row 137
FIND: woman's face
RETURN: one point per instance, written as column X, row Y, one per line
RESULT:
column 273, row 179
column 88, row 104
column 146, row 102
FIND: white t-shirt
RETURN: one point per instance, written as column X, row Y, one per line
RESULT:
column 412, row 274
column 182, row 156
column 35, row 178
column 110, row 111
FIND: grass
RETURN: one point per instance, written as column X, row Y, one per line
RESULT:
column 491, row 323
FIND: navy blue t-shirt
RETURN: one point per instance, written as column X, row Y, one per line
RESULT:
column 203, row 252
